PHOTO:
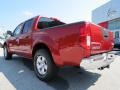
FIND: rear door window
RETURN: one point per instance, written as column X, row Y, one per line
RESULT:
column 27, row 26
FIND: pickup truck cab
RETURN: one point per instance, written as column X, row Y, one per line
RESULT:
column 51, row 43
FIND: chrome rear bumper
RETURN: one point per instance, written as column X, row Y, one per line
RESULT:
column 97, row 61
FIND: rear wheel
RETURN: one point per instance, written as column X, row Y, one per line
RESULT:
column 44, row 66
column 7, row 55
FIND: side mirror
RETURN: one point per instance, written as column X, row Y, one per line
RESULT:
column 10, row 33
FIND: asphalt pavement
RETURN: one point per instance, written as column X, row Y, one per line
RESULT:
column 18, row 74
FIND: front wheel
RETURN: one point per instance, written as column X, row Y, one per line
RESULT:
column 7, row 55
column 44, row 66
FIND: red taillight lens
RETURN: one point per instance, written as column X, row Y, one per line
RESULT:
column 85, row 39
column 88, row 41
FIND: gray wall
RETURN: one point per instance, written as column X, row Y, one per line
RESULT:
column 106, row 12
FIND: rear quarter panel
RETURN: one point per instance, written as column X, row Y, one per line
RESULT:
column 63, row 42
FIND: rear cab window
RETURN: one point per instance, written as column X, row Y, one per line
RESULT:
column 48, row 22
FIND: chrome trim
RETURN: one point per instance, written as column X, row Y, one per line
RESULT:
column 97, row 61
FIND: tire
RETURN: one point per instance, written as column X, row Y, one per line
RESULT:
column 44, row 67
column 7, row 55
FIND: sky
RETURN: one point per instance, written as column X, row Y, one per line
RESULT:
column 13, row 12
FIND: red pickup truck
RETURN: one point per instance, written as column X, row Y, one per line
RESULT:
column 51, row 43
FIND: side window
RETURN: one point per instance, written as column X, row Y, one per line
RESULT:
column 18, row 29
column 27, row 26
column 44, row 23
column 48, row 22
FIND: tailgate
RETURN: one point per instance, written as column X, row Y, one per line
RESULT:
column 101, row 39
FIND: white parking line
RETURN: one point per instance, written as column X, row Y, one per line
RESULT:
column 5, row 84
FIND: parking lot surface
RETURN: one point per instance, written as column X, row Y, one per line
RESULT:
column 18, row 74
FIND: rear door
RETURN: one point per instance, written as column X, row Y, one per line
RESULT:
column 25, row 38
column 101, row 39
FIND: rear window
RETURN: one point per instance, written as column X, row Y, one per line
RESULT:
column 48, row 22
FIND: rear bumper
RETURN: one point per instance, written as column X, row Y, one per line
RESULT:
column 97, row 61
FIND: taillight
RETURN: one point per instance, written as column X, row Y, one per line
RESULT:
column 88, row 41
column 85, row 39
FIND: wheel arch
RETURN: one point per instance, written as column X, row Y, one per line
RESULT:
column 54, row 54
column 43, row 46
column 5, row 44
column 40, row 46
